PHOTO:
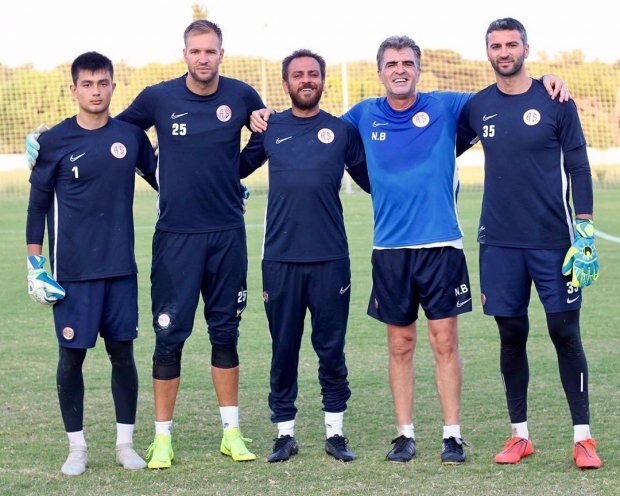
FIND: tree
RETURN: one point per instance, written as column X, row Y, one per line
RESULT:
column 199, row 11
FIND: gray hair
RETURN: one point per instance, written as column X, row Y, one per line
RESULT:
column 398, row 43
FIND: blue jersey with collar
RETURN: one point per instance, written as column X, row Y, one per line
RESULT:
column 412, row 167
column 526, row 185
column 92, row 176
column 199, row 139
column 307, row 159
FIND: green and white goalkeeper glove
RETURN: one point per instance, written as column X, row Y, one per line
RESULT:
column 581, row 259
column 42, row 287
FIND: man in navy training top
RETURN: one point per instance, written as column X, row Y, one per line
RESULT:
column 305, row 253
column 534, row 149
column 84, row 185
column 199, row 247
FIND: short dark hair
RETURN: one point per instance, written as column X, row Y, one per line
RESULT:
column 303, row 52
column 202, row 26
column 506, row 24
column 398, row 43
column 91, row 61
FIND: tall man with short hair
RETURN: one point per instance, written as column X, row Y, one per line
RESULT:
column 534, row 149
column 84, row 185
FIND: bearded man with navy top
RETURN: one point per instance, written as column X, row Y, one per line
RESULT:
column 305, row 253
column 84, row 186
column 535, row 153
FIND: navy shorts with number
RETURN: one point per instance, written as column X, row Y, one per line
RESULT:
column 404, row 279
column 186, row 266
column 289, row 289
column 506, row 276
column 106, row 307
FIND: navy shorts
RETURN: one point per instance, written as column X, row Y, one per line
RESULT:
column 186, row 266
column 506, row 276
column 106, row 307
column 404, row 279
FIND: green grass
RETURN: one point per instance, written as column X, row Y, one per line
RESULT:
column 33, row 445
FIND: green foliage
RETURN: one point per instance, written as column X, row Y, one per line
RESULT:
column 29, row 97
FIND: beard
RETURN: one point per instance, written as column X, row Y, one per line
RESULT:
column 306, row 103
column 516, row 68
column 202, row 78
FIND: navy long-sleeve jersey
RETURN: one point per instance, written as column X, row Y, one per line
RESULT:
column 307, row 159
column 199, row 140
column 84, row 182
column 528, row 140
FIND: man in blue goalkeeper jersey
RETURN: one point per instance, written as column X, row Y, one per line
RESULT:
column 534, row 150
column 199, row 247
column 84, row 185
column 417, row 259
column 305, row 253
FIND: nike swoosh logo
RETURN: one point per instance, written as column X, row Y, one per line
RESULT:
column 572, row 300
column 459, row 304
column 487, row 117
column 344, row 290
column 176, row 116
column 282, row 140
column 377, row 124
column 73, row 159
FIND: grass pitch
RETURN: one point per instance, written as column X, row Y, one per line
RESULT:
column 33, row 445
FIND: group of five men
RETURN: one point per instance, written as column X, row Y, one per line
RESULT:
column 400, row 148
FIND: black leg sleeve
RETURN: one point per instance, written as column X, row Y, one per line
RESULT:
column 565, row 334
column 70, row 385
column 124, row 380
column 513, row 333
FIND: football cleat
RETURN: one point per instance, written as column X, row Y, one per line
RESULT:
column 452, row 452
column 77, row 461
column 127, row 457
column 585, row 455
column 403, row 450
column 338, row 447
column 233, row 445
column 160, row 454
column 514, row 450
column 283, row 449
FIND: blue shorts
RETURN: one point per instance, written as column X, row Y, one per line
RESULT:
column 186, row 266
column 105, row 307
column 404, row 278
column 506, row 276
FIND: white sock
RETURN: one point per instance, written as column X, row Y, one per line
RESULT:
column 230, row 416
column 581, row 432
column 76, row 438
column 124, row 433
column 333, row 424
column 520, row 430
column 164, row 427
column 406, row 430
column 452, row 431
column 286, row 428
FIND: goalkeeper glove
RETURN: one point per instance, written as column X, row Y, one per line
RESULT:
column 33, row 146
column 42, row 288
column 245, row 196
column 581, row 258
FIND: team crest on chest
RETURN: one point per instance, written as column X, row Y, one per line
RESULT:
column 421, row 119
column 325, row 135
column 223, row 113
column 118, row 150
column 531, row 117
